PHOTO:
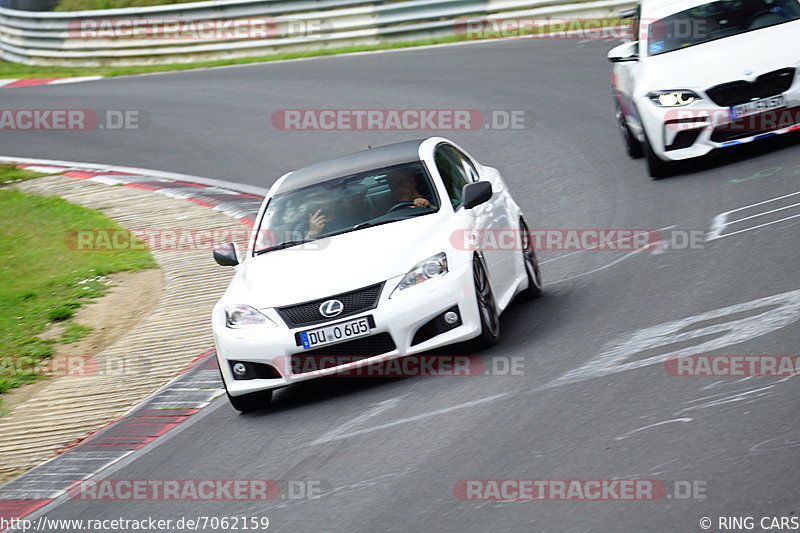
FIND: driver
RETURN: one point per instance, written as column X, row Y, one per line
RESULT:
column 404, row 190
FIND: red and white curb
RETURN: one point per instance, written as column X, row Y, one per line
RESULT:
column 235, row 200
column 188, row 393
column 181, row 398
column 30, row 82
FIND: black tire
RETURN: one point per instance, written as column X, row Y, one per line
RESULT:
column 656, row 167
column 255, row 401
column 248, row 403
column 534, row 289
column 487, row 307
column 633, row 146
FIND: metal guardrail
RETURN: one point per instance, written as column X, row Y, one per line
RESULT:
column 264, row 27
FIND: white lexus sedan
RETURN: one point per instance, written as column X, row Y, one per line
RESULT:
column 700, row 75
column 367, row 257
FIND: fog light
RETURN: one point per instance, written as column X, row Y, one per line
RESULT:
column 239, row 369
column 451, row 317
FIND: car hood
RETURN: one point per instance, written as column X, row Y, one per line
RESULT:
column 336, row 264
column 700, row 67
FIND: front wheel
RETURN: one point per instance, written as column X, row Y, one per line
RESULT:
column 531, row 264
column 487, row 308
column 255, row 401
column 632, row 145
column 656, row 167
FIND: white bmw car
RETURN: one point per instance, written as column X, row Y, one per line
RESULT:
column 364, row 258
column 700, row 75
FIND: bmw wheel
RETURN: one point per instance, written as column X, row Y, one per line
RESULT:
column 632, row 145
column 656, row 167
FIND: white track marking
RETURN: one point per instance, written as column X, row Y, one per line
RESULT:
column 617, row 355
column 339, row 433
column 608, row 265
column 762, row 202
column 756, row 227
column 731, row 398
column 790, row 440
column 75, row 79
column 629, row 433
column 721, row 221
column 762, row 214
column 377, row 409
column 593, row 247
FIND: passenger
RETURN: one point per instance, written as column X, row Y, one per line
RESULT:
column 326, row 215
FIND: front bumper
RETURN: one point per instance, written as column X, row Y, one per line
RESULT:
column 695, row 130
column 401, row 316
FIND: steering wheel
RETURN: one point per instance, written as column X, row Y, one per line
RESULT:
column 763, row 19
column 401, row 205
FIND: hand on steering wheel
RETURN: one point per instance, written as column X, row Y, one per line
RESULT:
column 401, row 205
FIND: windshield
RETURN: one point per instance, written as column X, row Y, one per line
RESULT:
column 346, row 204
column 716, row 20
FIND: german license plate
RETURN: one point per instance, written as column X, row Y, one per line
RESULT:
column 757, row 106
column 350, row 329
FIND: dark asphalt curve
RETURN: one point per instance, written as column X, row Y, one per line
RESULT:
column 594, row 401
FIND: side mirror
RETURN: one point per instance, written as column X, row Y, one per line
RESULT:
column 476, row 193
column 624, row 52
column 226, row 254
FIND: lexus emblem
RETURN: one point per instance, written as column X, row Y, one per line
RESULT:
column 331, row 308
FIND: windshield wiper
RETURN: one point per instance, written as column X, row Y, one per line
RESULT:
column 281, row 246
column 371, row 224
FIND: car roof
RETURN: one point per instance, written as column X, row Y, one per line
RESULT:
column 346, row 165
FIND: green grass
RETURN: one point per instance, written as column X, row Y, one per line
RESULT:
column 81, row 5
column 10, row 174
column 44, row 280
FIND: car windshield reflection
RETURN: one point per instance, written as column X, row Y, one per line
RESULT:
column 346, row 204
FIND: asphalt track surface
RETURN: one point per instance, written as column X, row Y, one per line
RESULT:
column 388, row 452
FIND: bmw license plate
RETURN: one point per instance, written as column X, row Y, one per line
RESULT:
column 350, row 329
column 757, row 106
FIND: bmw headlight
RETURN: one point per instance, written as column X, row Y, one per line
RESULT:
column 432, row 267
column 673, row 98
column 244, row 316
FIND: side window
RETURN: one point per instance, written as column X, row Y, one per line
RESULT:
column 464, row 162
column 635, row 25
column 452, row 173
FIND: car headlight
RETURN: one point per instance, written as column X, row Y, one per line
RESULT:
column 432, row 267
column 673, row 98
column 244, row 316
